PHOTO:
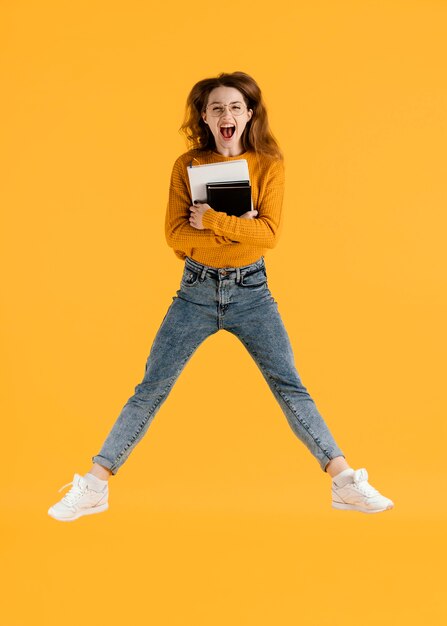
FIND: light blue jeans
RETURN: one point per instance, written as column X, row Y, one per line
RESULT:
column 238, row 300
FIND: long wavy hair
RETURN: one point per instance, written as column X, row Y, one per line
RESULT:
column 257, row 135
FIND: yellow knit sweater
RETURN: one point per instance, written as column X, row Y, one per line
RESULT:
column 226, row 240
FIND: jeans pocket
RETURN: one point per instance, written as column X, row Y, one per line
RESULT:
column 254, row 279
column 190, row 277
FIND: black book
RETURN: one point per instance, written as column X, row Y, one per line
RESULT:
column 233, row 197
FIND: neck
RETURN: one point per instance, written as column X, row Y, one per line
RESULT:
column 229, row 152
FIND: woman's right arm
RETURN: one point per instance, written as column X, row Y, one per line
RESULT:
column 179, row 233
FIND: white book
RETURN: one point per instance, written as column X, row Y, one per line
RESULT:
column 200, row 175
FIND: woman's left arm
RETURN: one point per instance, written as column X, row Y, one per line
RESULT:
column 263, row 230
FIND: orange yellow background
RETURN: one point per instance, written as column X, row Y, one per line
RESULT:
column 221, row 515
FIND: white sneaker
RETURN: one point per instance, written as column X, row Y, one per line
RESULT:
column 358, row 494
column 80, row 500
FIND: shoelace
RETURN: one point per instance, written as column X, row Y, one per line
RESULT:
column 362, row 484
column 74, row 494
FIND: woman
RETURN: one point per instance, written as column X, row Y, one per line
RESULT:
column 224, row 286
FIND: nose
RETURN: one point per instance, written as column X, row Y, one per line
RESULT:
column 226, row 117
column 226, row 112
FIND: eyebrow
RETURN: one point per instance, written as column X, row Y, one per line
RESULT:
column 234, row 102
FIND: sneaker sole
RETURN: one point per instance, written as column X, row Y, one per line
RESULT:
column 356, row 507
column 97, row 509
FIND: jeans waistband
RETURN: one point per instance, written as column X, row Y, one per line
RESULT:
column 215, row 272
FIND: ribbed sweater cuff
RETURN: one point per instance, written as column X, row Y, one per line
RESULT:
column 209, row 218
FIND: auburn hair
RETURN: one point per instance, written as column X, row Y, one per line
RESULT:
column 257, row 135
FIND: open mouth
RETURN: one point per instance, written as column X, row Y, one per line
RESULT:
column 227, row 131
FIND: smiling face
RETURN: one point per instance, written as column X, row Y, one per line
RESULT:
column 228, row 142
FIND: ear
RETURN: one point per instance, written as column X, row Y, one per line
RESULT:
column 204, row 117
column 250, row 111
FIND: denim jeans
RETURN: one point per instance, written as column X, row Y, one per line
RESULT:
column 210, row 299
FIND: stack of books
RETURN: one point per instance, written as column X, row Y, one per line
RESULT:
column 225, row 186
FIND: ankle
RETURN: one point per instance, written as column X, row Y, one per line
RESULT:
column 103, row 473
column 337, row 465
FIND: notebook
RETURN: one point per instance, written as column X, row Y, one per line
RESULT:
column 231, row 197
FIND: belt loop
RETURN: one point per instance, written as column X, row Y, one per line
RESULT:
column 238, row 275
column 203, row 274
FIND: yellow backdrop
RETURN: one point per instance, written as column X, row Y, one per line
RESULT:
column 221, row 515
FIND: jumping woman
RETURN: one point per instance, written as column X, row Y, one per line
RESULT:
column 223, row 287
